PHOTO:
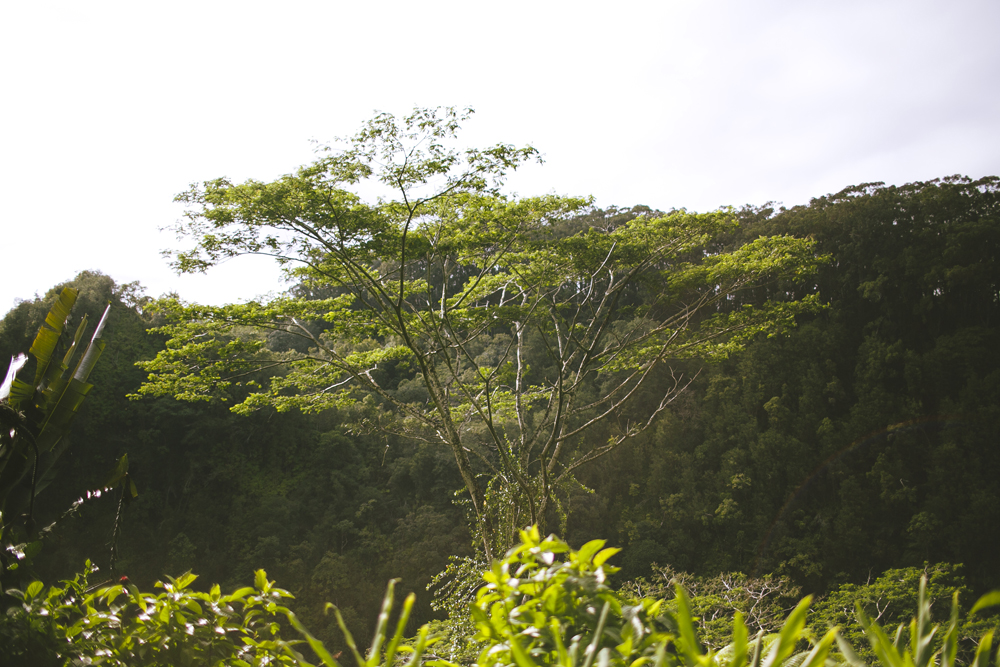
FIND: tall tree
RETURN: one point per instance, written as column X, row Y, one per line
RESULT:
column 493, row 325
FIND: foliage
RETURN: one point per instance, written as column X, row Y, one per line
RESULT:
column 924, row 648
column 546, row 603
column 455, row 589
column 35, row 417
column 862, row 441
column 328, row 514
column 889, row 601
column 36, row 413
column 543, row 604
column 117, row 625
column 540, row 607
column 520, row 327
column 549, row 604
column 763, row 602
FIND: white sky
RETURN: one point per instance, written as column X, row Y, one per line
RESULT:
column 108, row 109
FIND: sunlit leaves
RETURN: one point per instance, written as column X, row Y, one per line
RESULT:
column 116, row 624
column 425, row 276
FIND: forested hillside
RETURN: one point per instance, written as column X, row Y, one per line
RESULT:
column 861, row 440
column 864, row 439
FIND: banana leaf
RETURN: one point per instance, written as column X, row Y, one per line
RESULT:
column 61, row 414
column 48, row 334
column 16, row 363
column 60, row 401
column 76, row 341
column 94, row 350
column 55, row 397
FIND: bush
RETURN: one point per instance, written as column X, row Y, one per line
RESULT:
column 117, row 626
column 544, row 604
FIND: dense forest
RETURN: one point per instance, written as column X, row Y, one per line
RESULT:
column 857, row 439
column 860, row 441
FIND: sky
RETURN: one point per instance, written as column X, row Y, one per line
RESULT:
column 109, row 109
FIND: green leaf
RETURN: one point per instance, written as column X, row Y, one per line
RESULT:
column 121, row 469
column 60, row 412
column 348, row 637
column 758, row 647
column 32, row 549
column 16, row 364
column 595, row 642
column 604, row 555
column 685, row 626
column 34, row 588
column 111, row 593
column 885, row 649
column 383, row 620
column 562, row 655
column 789, row 634
column 418, row 650
column 738, row 658
column 48, row 334
column 817, row 656
column 850, row 656
column 949, row 643
column 397, row 637
column 521, row 657
column 991, row 599
column 241, row 593
column 982, row 658
column 76, row 342
column 589, row 550
column 315, row 644
column 93, row 351
column 185, row 580
column 20, row 392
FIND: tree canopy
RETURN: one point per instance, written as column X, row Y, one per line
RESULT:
column 512, row 325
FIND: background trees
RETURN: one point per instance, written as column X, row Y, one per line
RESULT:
column 836, row 451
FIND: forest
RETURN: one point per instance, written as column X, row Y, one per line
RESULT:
column 755, row 405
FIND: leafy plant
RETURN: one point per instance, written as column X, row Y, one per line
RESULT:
column 927, row 647
column 547, row 604
column 35, row 416
column 117, row 625
column 543, row 604
column 889, row 601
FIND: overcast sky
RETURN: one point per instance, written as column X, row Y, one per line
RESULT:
column 109, row 109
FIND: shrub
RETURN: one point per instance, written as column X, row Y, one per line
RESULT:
column 544, row 604
column 116, row 625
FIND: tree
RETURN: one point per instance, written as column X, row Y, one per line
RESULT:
column 503, row 328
